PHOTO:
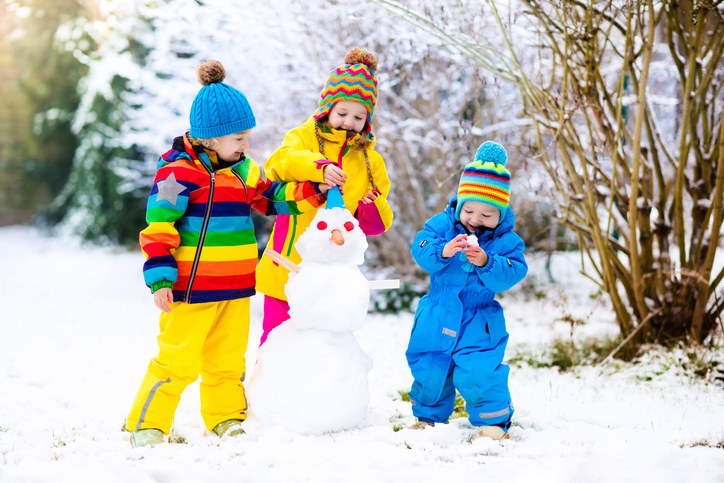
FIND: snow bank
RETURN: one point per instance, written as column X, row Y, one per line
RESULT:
column 77, row 327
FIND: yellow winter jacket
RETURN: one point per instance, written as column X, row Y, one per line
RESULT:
column 299, row 159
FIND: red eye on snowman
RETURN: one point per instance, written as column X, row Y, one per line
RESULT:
column 336, row 234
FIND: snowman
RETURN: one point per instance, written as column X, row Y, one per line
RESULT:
column 311, row 374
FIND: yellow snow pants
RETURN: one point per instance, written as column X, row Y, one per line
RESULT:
column 208, row 339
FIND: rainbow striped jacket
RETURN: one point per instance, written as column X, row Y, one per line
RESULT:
column 200, row 237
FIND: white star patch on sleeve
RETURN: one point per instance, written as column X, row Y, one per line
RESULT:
column 169, row 189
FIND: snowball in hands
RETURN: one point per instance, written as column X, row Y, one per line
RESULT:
column 473, row 241
column 311, row 374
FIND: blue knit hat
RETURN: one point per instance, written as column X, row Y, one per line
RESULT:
column 486, row 179
column 218, row 109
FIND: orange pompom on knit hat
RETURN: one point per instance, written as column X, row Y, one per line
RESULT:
column 356, row 80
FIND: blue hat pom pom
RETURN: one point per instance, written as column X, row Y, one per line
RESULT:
column 491, row 152
column 334, row 198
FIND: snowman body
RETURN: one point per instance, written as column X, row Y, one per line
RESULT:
column 311, row 374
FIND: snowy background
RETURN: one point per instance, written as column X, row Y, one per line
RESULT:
column 78, row 328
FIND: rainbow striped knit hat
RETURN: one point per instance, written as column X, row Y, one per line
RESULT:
column 354, row 81
column 486, row 179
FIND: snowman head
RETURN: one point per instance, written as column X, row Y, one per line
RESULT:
column 334, row 236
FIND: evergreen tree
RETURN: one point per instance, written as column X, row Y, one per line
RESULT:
column 137, row 95
column 39, row 73
column 97, row 202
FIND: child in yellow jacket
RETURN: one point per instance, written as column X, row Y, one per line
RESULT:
column 335, row 146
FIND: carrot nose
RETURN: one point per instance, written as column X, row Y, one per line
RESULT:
column 337, row 237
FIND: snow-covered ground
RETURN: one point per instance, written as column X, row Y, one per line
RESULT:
column 77, row 327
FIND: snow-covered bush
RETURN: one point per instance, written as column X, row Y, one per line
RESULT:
column 434, row 107
column 625, row 102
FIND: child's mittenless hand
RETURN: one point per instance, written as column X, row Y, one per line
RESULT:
column 370, row 198
column 476, row 255
column 455, row 245
column 162, row 297
column 333, row 175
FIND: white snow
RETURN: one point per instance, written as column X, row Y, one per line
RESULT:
column 77, row 328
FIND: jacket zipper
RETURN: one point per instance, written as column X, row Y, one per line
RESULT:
column 202, row 235
column 341, row 153
column 243, row 183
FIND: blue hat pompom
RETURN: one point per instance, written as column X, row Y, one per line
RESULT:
column 491, row 152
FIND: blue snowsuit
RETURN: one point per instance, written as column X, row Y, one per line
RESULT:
column 458, row 337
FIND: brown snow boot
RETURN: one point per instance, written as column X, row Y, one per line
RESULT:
column 422, row 425
column 496, row 433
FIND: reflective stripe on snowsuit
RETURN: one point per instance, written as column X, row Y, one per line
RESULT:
column 209, row 339
column 473, row 366
column 459, row 336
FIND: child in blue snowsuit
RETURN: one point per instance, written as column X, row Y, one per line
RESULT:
column 458, row 337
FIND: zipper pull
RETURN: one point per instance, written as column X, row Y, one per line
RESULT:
column 341, row 152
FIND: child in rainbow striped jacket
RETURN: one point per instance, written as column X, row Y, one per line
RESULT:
column 335, row 145
column 201, row 258
column 458, row 336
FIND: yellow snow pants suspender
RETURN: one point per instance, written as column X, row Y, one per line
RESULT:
column 208, row 339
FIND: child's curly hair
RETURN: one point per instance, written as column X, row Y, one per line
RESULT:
column 211, row 143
